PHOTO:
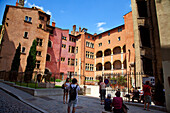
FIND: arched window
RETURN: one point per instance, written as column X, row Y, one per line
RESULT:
column 49, row 43
column 107, row 66
column 99, row 54
column 99, row 67
column 117, row 64
column 48, row 57
column 107, row 52
column 117, row 50
column 124, row 49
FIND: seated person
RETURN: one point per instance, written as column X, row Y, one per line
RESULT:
column 135, row 95
column 108, row 103
column 117, row 103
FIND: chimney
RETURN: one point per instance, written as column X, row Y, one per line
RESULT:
column 17, row 3
column 79, row 29
column 95, row 34
column 53, row 23
column 74, row 30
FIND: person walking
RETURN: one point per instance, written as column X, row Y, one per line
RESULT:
column 147, row 95
column 73, row 89
column 102, row 91
column 117, row 103
column 66, row 91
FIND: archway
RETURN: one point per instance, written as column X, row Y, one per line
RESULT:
column 99, row 54
column 107, row 66
column 117, row 64
column 99, row 67
column 107, row 52
column 117, row 50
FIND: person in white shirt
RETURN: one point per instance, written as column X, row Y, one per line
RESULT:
column 102, row 92
column 67, row 83
column 73, row 89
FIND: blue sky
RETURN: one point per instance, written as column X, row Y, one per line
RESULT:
column 95, row 15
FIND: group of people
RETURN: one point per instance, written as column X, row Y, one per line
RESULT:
column 108, row 103
column 117, row 102
column 71, row 89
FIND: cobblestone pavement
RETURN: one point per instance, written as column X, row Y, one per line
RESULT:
column 9, row 104
column 54, row 104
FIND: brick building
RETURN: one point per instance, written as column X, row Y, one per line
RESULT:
column 80, row 53
column 23, row 25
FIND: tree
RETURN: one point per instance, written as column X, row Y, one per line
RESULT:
column 15, row 63
column 31, row 61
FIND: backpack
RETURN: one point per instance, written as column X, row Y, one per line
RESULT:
column 72, row 93
column 62, row 86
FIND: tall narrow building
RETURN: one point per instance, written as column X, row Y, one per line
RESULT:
column 151, row 20
column 23, row 25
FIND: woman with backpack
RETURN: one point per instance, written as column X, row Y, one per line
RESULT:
column 67, row 83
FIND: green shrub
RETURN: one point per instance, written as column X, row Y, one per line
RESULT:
column 57, row 80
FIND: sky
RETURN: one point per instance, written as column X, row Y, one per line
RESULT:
column 95, row 15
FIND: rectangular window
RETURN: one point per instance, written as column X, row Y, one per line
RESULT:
column 75, row 73
column 87, row 44
column 71, row 49
column 41, row 17
column 37, row 64
column 91, row 55
column 118, row 38
column 119, row 29
column 29, row 19
column 40, row 26
column 108, row 33
column 100, row 44
column 91, row 67
column 38, row 53
column 76, row 61
column 100, row 37
column 26, row 18
column 92, row 38
column 108, row 41
column 76, row 49
column 63, row 46
column 87, row 66
column 88, row 36
column 92, row 45
column 64, row 38
column 70, row 61
column 25, row 34
column 69, row 38
column 87, row 54
column 62, row 59
column 23, row 50
column 39, row 42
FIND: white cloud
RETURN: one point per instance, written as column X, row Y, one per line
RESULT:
column 101, row 29
column 48, row 12
column 33, row 5
column 39, row 7
column 100, row 24
column 130, row 6
column 25, row 1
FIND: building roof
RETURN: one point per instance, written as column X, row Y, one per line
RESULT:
column 109, row 30
column 33, row 8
